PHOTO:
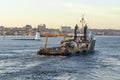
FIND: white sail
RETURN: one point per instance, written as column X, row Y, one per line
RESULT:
column 37, row 36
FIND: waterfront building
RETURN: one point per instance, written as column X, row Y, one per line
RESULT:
column 1, row 30
column 28, row 29
column 66, row 29
column 42, row 27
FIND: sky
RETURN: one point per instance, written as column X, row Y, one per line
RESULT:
column 99, row 14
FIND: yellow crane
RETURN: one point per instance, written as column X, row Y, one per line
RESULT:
column 54, row 35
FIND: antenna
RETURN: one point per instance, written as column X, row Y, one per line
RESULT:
column 82, row 21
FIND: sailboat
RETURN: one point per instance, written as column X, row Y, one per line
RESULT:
column 37, row 36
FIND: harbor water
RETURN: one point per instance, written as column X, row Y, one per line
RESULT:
column 18, row 60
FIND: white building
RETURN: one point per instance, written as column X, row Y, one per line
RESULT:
column 42, row 27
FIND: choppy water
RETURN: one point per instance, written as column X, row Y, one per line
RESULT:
column 18, row 61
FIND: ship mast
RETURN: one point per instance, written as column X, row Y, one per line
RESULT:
column 82, row 21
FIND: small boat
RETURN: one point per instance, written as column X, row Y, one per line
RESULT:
column 82, row 42
column 37, row 37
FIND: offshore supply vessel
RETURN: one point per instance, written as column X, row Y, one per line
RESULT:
column 83, row 42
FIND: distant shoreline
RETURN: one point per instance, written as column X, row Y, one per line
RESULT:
column 34, row 36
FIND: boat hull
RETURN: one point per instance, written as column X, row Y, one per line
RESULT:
column 58, row 51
